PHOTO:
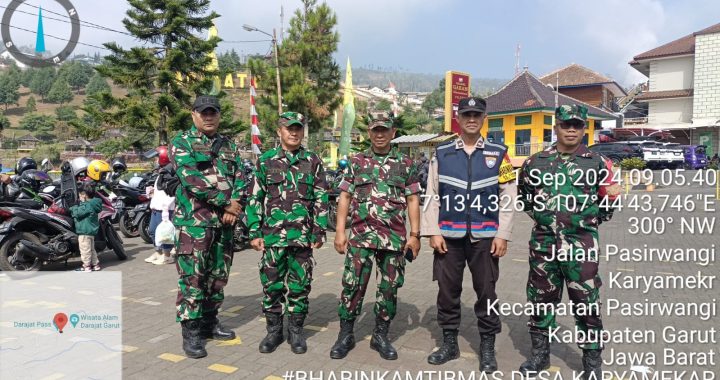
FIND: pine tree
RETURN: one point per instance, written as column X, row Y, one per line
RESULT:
column 309, row 75
column 60, row 92
column 31, row 104
column 42, row 81
column 157, row 99
column 97, row 85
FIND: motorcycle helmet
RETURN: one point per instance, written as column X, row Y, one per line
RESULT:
column 34, row 179
column 118, row 165
column 79, row 165
column 343, row 163
column 163, row 156
column 25, row 163
column 135, row 181
column 97, row 169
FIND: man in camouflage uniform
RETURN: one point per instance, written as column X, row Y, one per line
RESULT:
column 563, row 246
column 380, row 185
column 207, row 204
column 287, row 218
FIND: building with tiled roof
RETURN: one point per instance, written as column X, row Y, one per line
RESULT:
column 591, row 87
column 683, row 94
column 520, row 115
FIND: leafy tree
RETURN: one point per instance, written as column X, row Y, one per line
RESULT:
column 60, row 92
column 97, row 85
column 110, row 148
column 36, row 122
column 309, row 75
column 4, row 122
column 27, row 76
column 30, row 104
column 436, row 99
column 169, row 32
column 42, row 81
column 65, row 113
column 78, row 75
column 51, row 152
column 383, row 105
column 9, row 87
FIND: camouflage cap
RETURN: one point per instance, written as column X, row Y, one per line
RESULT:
column 380, row 119
column 291, row 118
column 571, row 112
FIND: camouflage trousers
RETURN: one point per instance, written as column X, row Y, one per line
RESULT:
column 286, row 277
column 358, row 266
column 204, row 257
column 545, row 286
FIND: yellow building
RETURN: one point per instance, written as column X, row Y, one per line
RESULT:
column 521, row 115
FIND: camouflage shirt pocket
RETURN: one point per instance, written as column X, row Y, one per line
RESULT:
column 275, row 180
column 396, row 189
column 305, row 186
column 363, row 189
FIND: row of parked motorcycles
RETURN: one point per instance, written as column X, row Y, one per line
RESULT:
column 36, row 228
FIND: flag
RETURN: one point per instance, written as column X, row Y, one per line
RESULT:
column 255, row 131
column 213, row 66
column 348, row 113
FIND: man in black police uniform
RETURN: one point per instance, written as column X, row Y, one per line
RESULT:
column 471, row 172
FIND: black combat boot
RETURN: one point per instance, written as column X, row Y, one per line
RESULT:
column 345, row 340
column 193, row 344
column 540, row 359
column 488, row 364
column 592, row 364
column 295, row 333
column 274, row 333
column 211, row 328
column 380, row 342
column 449, row 349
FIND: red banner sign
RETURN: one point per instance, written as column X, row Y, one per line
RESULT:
column 457, row 86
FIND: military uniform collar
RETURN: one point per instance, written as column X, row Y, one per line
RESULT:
column 394, row 152
column 195, row 132
column 581, row 151
column 282, row 153
column 460, row 144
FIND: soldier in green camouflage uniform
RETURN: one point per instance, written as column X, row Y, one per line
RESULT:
column 212, row 182
column 287, row 218
column 379, row 187
column 567, row 212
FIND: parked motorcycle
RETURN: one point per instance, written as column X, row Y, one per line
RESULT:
column 30, row 238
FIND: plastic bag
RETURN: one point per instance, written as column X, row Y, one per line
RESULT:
column 165, row 233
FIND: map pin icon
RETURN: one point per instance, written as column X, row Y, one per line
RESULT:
column 74, row 319
column 60, row 321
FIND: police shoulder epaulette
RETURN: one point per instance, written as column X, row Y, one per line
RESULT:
column 449, row 144
column 496, row 145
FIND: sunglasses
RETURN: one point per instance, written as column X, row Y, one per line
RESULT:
column 566, row 125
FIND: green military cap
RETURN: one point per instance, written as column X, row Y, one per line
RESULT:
column 291, row 118
column 571, row 112
column 380, row 119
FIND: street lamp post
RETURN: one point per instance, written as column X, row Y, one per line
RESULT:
column 250, row 28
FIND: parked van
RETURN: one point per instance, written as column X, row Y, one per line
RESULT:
column 695, row 157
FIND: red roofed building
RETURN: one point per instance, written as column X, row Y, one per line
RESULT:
column 581, row 83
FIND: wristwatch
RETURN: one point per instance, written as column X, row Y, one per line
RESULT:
column 415, row 234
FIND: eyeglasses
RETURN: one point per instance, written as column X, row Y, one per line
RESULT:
column 566, row 125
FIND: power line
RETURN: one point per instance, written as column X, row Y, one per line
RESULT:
column 81, row 21
column 65, row 21
column 59, row 38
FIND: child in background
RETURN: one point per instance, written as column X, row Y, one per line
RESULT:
column 87, row 224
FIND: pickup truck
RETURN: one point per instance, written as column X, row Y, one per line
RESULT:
column 661, row 154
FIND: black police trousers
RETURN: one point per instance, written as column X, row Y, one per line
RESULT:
column 448, row 271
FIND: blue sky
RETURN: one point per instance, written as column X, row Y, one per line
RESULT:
column 429, row 36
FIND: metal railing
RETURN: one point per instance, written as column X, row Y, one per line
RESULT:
column 528, row 149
